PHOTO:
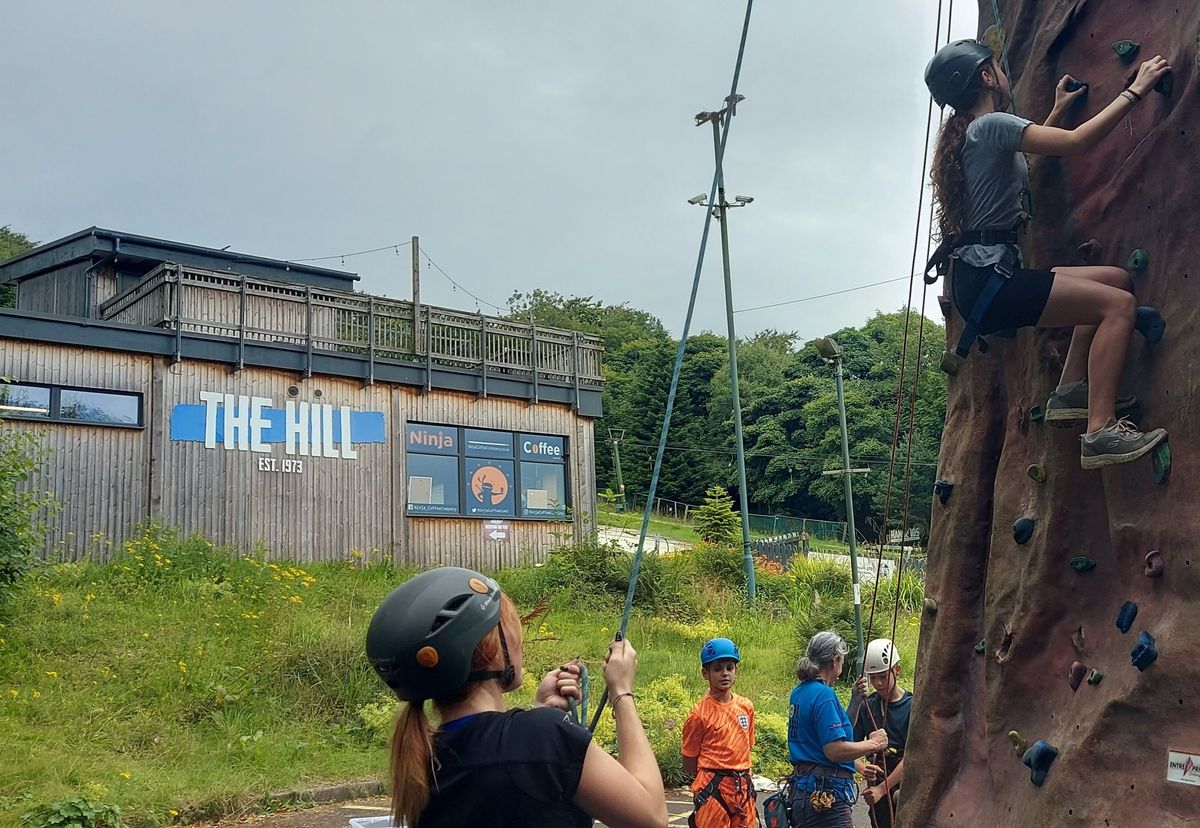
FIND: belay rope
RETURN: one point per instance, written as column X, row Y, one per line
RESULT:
column 679, row 353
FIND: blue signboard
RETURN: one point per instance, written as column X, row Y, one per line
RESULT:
column 480, row 443
column 541, row 448
column 488, row 487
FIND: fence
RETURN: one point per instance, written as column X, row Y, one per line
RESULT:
column 763, row 526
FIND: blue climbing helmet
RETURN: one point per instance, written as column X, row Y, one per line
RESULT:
column 718, row 648
column 954, row 71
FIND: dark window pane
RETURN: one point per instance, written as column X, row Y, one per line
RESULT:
column 488, row 488
column 24, row 401
column 99, row 407
column 543, row 490
column 432, row 484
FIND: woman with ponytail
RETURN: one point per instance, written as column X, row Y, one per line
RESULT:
column 980, row 183
column 450, row 637
column 821, row 742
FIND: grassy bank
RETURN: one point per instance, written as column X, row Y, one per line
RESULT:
column 179, row 680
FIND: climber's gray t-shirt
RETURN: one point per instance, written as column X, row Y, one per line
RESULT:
column 997, row 179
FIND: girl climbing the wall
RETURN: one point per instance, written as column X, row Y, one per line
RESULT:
column 980, row 182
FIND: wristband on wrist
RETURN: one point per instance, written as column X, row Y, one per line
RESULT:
column 613, row 704
column 1132, row 92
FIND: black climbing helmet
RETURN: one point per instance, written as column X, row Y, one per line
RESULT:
column 953, row 71
column 424, row 634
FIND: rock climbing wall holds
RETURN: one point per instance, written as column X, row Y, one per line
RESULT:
column 1125, row 616
column 930, row 605
column 944, row 304
column 1075, row 677
column 1023, row 529
column 1037, row 472
column 1144, row 653
column 981, row 646
column 1126, row 50
column 1036, row 415
column 1038, row 759
column 1139, row 260
column 1150, row 324
column 943, row 488
column 1020, row 745
column 1165, row 85
column 1154, row 564
column 1162, row 463
column 949, row 363
column 1095, row 677
column 993, row 38
column 1074, row 85
column 1082, row 563
column 1090, row 250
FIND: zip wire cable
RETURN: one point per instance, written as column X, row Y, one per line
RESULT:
column 679, row 352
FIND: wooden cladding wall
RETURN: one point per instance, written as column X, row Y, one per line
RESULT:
column 109, row 479
column 96, row 473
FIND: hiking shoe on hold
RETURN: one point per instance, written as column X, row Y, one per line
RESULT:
column 1069, row 403
column 1118, row 441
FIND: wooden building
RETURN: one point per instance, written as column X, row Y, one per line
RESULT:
column 264, row 402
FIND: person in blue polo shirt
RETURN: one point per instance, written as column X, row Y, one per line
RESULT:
column 821, row 742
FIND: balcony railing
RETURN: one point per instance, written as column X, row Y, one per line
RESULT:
column 186, row 299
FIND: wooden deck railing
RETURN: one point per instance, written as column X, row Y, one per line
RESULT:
column 186, row 299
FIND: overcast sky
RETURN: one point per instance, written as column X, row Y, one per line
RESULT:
column 528, row 144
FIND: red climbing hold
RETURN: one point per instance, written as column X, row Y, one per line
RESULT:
column 1077, row 674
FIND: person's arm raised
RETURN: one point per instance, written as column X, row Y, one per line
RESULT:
column 1051, row 140
column 626, row 793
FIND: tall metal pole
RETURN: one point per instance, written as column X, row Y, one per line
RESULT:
column 723, row 218
column 416, row 294
column 615, row 438
column 858, row 630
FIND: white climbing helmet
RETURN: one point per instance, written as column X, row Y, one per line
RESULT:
column 882, row 656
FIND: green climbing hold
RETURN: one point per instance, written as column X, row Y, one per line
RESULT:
column 1126, row 50
column 1019, row 743
column 981, row 646
column 1082, row 563
column 1036, row 415
column 1165, row 85
column 1037, row 472
column 1162, row 463
column 1095, row 677
column 1138, row 261
column 993, row 38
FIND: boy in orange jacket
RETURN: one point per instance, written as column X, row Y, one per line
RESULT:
column 717, row 738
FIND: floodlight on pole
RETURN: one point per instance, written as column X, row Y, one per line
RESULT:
column 828, row 348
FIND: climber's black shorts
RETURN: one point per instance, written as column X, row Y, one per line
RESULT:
column 1019, row 304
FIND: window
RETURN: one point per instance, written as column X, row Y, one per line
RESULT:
column 24, row 401
column 483, row 473
column 70, row 405
column 98, row 407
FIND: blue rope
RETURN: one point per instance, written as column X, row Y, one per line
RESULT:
column 679, row 352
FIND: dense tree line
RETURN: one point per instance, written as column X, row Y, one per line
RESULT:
column 12, row 243
column 789, row 407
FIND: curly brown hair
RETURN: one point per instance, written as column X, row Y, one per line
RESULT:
column 946, row 174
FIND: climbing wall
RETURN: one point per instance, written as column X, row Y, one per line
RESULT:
column 1013, row 631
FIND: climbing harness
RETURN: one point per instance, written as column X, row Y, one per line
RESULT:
column 777, row 808
column 940, row 263
column 712, row 790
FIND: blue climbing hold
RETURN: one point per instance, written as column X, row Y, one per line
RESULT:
column 1144, row 654
column 1023, row 529
column 1162, row 463
column 1126, row 615
column 943, row 488
column 1038, row 759
column 1150, row 324
column 1074, row 86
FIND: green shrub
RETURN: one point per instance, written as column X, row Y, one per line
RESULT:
column 79, row 812
column 770, row 753
column 663, row 705
column 21, row 530
column 716, row 522
column 835, row 614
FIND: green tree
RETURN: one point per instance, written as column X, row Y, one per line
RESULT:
column 716, row 522
column 12, row 244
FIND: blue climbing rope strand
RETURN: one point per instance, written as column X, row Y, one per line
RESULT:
column 679, row 353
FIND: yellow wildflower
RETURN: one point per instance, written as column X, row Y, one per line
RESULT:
column 183, row 666
column 52, row 674
column 296, row 599
column 126, row 775
column 37, row 694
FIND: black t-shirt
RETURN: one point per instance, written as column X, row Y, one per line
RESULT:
column 896, row 723
column 509, row 770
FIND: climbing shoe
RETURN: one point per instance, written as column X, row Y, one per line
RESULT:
column 1118, row 441
column 1069, row 403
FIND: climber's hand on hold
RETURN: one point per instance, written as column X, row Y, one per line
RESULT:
column 1150, row 73
column 1064, row 98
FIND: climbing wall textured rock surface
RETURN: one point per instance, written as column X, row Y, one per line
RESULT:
column 1038, row 614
